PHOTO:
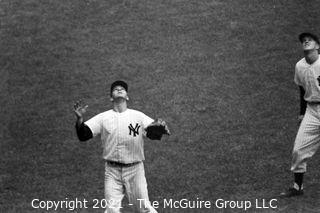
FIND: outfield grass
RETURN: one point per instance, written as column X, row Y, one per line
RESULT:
column 219, row 72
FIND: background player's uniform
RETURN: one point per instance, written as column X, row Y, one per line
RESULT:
column 122, row 142
column 308, row 137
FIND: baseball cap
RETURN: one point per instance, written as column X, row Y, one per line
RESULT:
column 313, row 36
column 118, row 83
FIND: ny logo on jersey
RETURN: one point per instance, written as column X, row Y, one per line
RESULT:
column 318, row 80
column 135, row 130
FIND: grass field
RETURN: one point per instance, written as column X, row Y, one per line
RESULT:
column 219, row 72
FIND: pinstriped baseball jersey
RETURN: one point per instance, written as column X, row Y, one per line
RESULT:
column 308, row 76
column 121, row 134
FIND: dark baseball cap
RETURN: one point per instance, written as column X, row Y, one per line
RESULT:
column 313, row 36
column 118, row 83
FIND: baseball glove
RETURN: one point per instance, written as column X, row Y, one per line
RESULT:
column 156, row 129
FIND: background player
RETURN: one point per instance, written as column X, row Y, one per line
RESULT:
column 121, row 131
column 307, row 77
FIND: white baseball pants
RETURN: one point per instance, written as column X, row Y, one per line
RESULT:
column 307, row 140
column 129, row 180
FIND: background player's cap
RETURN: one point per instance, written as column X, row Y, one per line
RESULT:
column 313, row 36
column 118, row 83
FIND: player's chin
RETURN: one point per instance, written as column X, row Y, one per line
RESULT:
column 308, row 48
column 120, row 98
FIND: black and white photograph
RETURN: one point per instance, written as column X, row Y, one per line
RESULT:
column 159, row 106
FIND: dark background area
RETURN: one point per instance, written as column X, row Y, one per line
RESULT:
column 219, row 72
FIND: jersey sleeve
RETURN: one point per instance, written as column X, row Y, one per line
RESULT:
column 146, row 120
column 95, row 124
column 297, row 77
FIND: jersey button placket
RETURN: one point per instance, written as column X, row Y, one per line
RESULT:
column 117, row 136
column 119, row 144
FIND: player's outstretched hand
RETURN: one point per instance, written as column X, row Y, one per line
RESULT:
column 157, row 129
column 79, row 109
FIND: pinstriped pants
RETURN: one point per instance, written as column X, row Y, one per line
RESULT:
column 129, row 180
column 307, row 140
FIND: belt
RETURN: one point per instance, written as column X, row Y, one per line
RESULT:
column 118, row 164
column 314, row 102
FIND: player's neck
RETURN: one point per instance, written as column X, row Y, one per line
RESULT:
column 120, row 105
column 311, row 56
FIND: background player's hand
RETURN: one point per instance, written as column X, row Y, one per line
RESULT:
column 163, row 123
column 79, row 109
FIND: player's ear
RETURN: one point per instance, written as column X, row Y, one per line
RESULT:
column 111, row 99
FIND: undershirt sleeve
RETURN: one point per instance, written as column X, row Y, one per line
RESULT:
column 303, row 103
column 83, row 132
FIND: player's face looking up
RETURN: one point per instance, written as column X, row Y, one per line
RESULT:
column 309, row 44
column 119, row 92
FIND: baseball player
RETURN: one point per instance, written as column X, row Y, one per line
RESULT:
column 307, row 77
column 121, row 130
